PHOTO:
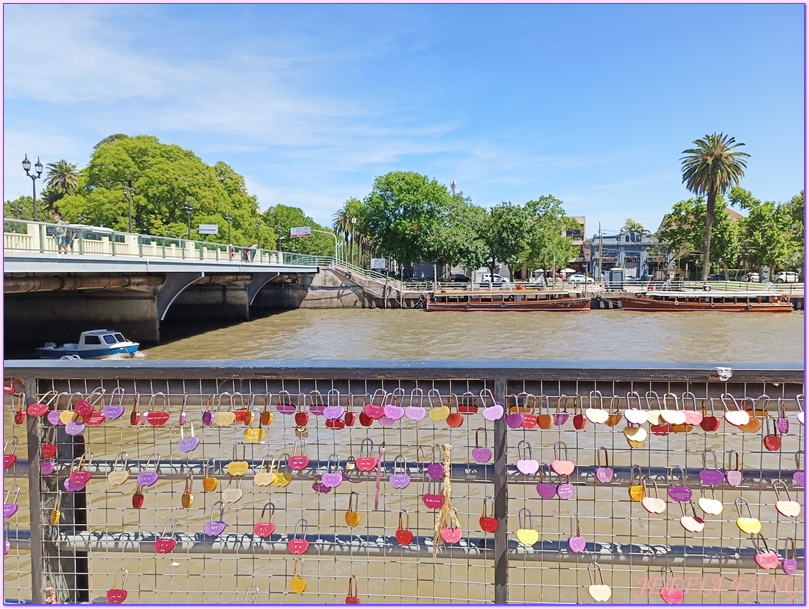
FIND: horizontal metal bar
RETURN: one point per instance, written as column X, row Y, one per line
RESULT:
column 584, row 475
column 421, row 547
column 517, row 370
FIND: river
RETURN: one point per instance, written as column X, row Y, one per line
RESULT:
column 603, row 335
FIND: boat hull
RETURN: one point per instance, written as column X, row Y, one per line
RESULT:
column 572, row 304
column 57, row 352
column 646, row 304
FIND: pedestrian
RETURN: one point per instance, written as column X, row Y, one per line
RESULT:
column 59, row 233
column 253, row 250
column 244, row 255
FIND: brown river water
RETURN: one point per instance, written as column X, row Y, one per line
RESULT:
column 606, row 514
column 603, row 335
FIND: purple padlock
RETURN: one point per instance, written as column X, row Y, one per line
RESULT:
column 678, row 492
column 113, row 412
column 603, row 473
column 481, row 454
column 73, row 428
column 46, row 467
column 399, row 478
column 186, row 445
column 514, row 420
column 214, row 528
column 435, row 470
column 71, row 487
column 148, row 478
column 55, row 417
column 711, row 477
column 565, row 490
column 320, row 487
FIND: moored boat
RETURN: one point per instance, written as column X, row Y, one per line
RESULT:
column 92, row 343
column 729, row 301
column 506, row 300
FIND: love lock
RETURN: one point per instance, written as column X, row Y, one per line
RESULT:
column 298, row 461
column 710, row 506
column 209, row 483
column 399, row 479
column 56, row 512
column 299, row 545
column 563, row 467
column 365, row 462
column 710, row 422
column 790, row 562
column 48, row 444
column 254, row 434
column 283, row 473
column 766, row 559
column 772, row 440
column 10, row 506
column 41, row 406
column 79, row 477
column 668, row 592
column 353, row 592
column 232, row 495
column 733, row 476
column 467, row 404
column 747, row 524
column 9, row 458
column 238, row 467
column 352, row 518
column 526, row 534
column 186, row 445
column 599, row 592
column 488, row 523
column 224, row 418
column 115, row 595
column 692, row 416
column 528, row 409
column 403, row 534
column 710, row 476
column 598, row 414
column 544, row 418
column 414, row 410
column 652, row 504
column 439, row 412
column 166, row 543
column 433, row 500
column 435, row 470
column 680, row 493
column 149, row 476
column 454, row 418
column 693, row 523
column 577, row 543
column 545, row 490
column 297, row 584
column 481, row 454
column 636, row 491
column 492, row 411
column 115, row 477
column 736, row 416
column 264, row 528
column 393, row 411
column 113, row 411
column 332, row 478
column 372, row 409
column 636, row 415
column 157, row 418
column 452, row 534
column 526, row 464
column 603, row 473
column 187, row 498
column 788, row 508
column 214, row 528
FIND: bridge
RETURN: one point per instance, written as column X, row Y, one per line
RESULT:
column 133, row 282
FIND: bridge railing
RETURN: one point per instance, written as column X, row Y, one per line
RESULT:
column 33, row 237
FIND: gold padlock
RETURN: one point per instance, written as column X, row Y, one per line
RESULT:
column 56, row 513
column 352, row 517
column 187, row 499
column 209, row 483
column 302, row 432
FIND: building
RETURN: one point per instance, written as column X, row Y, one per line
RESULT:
column 638, row 252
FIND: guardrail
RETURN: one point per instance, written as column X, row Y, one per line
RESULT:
column 512, row 541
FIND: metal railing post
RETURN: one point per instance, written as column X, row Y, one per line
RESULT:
column 500, row 497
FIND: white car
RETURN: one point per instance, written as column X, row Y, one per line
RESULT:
column 496, row 280
column 786, row 277
column 578, row 278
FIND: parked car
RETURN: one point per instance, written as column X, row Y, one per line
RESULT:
column 786, row 277
column 457, row 277
column 496, row 280
column 716, row 277
column 752, row 277
column 578, row 278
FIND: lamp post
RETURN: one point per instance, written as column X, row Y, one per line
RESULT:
column 188, row 208
column 229, row 218
column 129, row 194
column 258, row 234
column 280, row 232
column 26, row 165
column 353, row 235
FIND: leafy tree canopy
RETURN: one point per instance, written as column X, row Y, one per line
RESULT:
column 284, row 217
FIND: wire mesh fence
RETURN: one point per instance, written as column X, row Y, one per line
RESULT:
column 212, row 484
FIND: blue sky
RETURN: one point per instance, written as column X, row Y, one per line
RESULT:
column 591, row 103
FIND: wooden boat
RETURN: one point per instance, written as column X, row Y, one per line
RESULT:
column 92, row 343
column 506, row 300
column 737, row 302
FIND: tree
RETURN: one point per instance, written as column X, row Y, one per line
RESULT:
column 712, row 168
column 453, row 239
column 682, row 231
column 546, row 240
column 632, row 226
column 505, row 231
column 767, row 231
column 62, row 177
column 402, row 209
column 281, row 218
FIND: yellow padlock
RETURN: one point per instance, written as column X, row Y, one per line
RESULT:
column 56, row 513
column 352, row 517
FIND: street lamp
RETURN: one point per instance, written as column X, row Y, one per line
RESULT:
column 280, row 232
column 26, row 164
column 353, row 236
column 188, row 208
column 229, row 217
column 129, row 194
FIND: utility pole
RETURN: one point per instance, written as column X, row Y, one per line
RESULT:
column 600, row 250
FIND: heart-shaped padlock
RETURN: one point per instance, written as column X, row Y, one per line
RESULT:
column 733, row 476
column 40, row 407
column 299, row 545
column 79, row 477
column 187, row 498
column 414, row 410
column 481, row 454
column 433, row 500
column 790, row 563
column 603, row 473
column 283, row 474
column 526, row 464
column 149, row 476
column 285, row 404
column 467, row 403
column 451, row 534
column 766, row 559
column 47, row 467
column 488, row 523
column 230, row 494
column 365, row 420
column 672, row 416
column 75, row 427
column 734, row 413
column 209, row 483
column 254, row 434
column 454, row 418
column 264, row 528
column 710, row 506
column 115, row 595
column 668, row 592
column 352, row 517
column 544, row 419
column 353, row 592
column 332, row 478
column 266, row 416
column 560, row 417
column 788, row 507
column 298, row 461
column 492, row 410
column 636, row 490
column 114, row 411
column 403, row 534
column 652, row 504
column 19, row 414
column 545, row 490
column 393, row 411
column 116, row 477
column 333, row 409
column 374, row 410
column 692, row 415
column 599, row 592
column 563, row 467
column 635, row 436
column 297, row 584
column 186, row 445
column 301, row 416
column 10, row 506
column 157, row 418
column 772, row 440
column 635, row 414
column 365, row 462
column 435, row 470
column 399, row 478
column 214, row 528
column 137, row 498
column 782, row 422
column 579, row 420
column 134, row 414
column 693, row 523
column 577, row 543
column 56, row 512
column 514, row 420
column 678, row 492
column 710, row 476
column 238, row 467
column 6, row 539
column 565, row 490
column 526, row 534
column 166, row 542
column 9, row 458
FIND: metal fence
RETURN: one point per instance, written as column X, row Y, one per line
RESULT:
column 453, row 482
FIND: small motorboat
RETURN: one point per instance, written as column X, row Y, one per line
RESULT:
column 92, row 343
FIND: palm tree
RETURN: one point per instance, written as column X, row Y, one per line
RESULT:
column 342, row 223
column 63, row 177
column 710, row 168
column 632, row 226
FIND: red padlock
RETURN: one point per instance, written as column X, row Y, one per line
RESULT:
column 579, row 420
column 488, row 523
column 709, row 423
column 301, row 417
column 352, row 599
column 137, row 498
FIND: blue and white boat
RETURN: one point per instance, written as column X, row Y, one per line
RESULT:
column 93, row 343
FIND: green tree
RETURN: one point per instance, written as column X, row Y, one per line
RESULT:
column 402, row 210
column 452, row 239
column 279, row 219
column 712, row 168
column 767, row 230
column 682, row 232
column 505, row 231
column 546, row 240
column 632, row 226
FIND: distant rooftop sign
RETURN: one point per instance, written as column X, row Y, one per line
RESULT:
column 208, row 229
column 300, row 231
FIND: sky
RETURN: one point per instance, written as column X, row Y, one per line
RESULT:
column 593, row 104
